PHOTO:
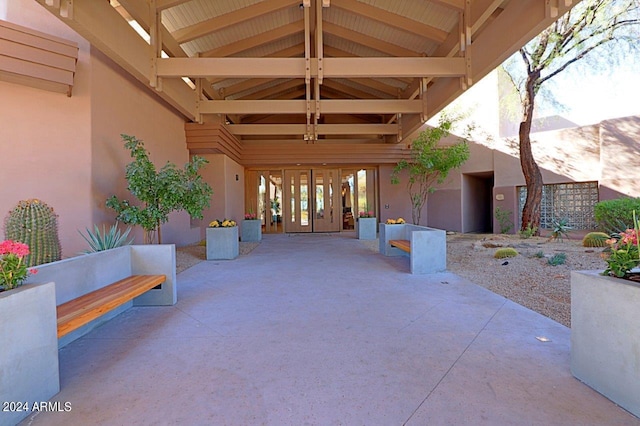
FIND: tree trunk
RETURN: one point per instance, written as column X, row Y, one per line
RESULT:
column 530, row 169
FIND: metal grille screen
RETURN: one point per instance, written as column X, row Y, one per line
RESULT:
column 573, row 201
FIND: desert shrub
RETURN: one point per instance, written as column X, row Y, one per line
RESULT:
column 528, row 233
column 505, row 252
column 539, row 254
column 595, row 239
column 561, row 229
column 504, row 220
column 614, row 216
column 557, row 259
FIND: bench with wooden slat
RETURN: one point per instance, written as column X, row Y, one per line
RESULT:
column 80, row 311
column 404, row 245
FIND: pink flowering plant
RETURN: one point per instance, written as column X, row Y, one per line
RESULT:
column 624, row 252
column 250, row 216
column 13, row 269
column 366, row 214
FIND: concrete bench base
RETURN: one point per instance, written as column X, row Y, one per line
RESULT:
column 427, row 247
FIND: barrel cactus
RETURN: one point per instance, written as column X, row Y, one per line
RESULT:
column 34, row 223
column 505, row 252
column 595, row 239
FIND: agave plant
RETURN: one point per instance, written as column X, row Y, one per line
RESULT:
column 100, row 240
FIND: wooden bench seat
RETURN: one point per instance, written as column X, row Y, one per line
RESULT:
column 404, row 245
column 80, row 311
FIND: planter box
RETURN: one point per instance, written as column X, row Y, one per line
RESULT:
column 29, row 342
column 251, row 230
column 366, row 228
column 222, row 243
column 605, row 336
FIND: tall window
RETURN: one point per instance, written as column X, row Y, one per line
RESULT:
column 572, row 201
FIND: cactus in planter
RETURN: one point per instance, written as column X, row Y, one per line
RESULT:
column 34, row 223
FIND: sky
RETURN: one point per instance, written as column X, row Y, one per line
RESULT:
column 591, row 96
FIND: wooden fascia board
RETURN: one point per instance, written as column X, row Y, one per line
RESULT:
column 104, row 28
column 201, row 29
column 295, row 67
column 327, row 106
column 391, row 19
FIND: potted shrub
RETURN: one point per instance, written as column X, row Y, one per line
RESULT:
column 222, row 240
column 605, row 337
column 29, row 362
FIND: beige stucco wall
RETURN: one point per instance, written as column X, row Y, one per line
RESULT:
column 228, row 193
column 68, row 151
column 44, row 149
column 620, row 157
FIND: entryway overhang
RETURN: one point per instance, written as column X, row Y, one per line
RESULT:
column 309, row 71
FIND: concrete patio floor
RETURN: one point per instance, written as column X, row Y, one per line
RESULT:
column 320, row 330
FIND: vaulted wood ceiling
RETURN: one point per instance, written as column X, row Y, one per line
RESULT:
column 310, row 70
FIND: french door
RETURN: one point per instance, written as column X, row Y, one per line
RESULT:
column 312, row 200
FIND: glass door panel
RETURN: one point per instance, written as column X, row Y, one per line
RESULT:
column 326, row 202
column 297, row 214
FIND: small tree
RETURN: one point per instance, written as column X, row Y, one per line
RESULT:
column 160, row 192
column 429, row 164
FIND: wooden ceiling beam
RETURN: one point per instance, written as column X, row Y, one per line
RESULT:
column 201, row 29
column 166, row 4
column 102, row 26
column 296, row 67
column 391, row 19
column 452, row 4
column 327, row 106
column 274, row 90
column 140, row 13
column 338, row 53
column 321, row 129
column 255, row 41
column 368, row 41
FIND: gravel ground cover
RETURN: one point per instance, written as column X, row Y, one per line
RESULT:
column 527, row 279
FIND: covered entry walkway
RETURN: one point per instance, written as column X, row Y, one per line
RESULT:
column 318, row 329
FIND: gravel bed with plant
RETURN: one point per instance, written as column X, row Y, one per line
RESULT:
column 538, row 277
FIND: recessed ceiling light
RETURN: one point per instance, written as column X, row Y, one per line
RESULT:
column 543, row 339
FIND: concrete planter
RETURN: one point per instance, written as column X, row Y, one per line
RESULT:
column 222, row 243
column 366, row 228
column 251, row 230
column 29, row 342
column 605, row 336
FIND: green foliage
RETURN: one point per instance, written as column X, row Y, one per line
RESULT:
column 614, row 216
column 539, row 254
column 35, row 224
column 504, row 220
column 505, row 252
column 528, row 232
column 429, row 164
column 595, row 239
column 160, row 192
column 557, row 259
column 624, row 251
column 104, row 240
column 560, row 229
